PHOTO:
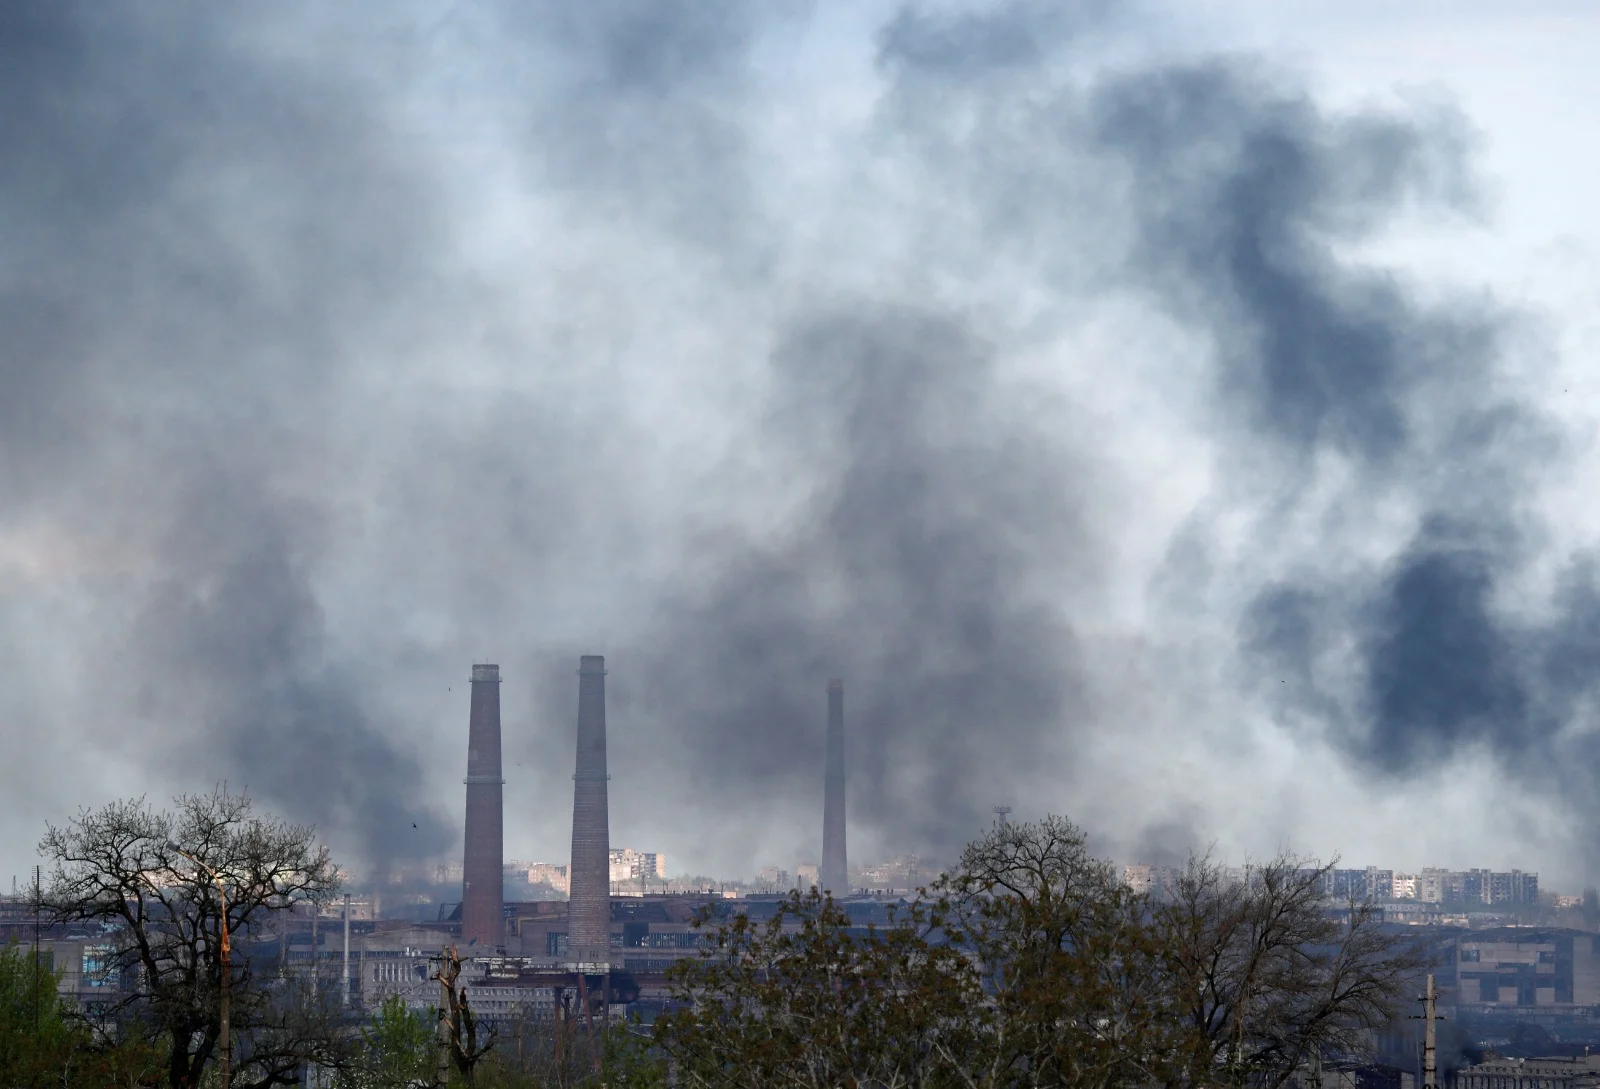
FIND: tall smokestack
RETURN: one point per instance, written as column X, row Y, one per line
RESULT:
column 483, row 889
column 589, row 889
column 834, row 875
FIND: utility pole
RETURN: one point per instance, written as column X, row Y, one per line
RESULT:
column 1430, row 1049
column 38, row 906
column 1430, row 1039
column 347, row 950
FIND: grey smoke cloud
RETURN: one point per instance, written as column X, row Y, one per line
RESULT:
column 1242, row 190
column 1339, row 361
column 1244, row 200
column 343, row 350
column 201, row 230
column 1332, row 358
column 932, row 499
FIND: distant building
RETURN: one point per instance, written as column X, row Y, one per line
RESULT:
column 89, row 977
column 807, row 875
column 1370, row 883
column 397, row 961
column 1554, row 1073
column 1528, row 967
column 1411, row 912
column 630, row 865
column 1460, row 889
column 1469, row 887
column 900, row 872
column 548, row 873
column 361, row 909
column 1521, row 888
column 1435, row 886
column 1349, row 1075
column 1150, row 879
column 773, row 879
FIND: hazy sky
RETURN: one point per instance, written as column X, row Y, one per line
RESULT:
column 1176, row 415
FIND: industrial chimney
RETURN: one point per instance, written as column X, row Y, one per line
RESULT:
column 589, row 897
column 482, row 878
column 835, row 873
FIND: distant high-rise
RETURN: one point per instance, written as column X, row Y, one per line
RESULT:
column 483, row 888
column 589, row 898
column 835, row 872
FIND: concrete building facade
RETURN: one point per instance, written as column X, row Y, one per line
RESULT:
column 1528, row 967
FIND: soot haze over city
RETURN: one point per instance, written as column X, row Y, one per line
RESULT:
column 1174, row 415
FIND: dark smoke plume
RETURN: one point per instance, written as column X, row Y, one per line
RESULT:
column 199, row 228
column 342, row 349
column 1330, row 360
column 1243, row 200
column 932, row 498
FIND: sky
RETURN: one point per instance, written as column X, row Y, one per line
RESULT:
column 1175, row 415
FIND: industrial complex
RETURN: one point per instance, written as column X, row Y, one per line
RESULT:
column 520, row 956
column 597, row 937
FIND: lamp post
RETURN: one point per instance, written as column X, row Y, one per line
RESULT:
column 226, row 1058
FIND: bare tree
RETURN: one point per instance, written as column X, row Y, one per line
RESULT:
column 129, row 867
column 801, row 1002
column 1263, row 979
column 1070, row 961
column 457, row 1023
column 1031, row 965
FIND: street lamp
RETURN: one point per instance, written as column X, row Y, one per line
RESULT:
column 226, row 1059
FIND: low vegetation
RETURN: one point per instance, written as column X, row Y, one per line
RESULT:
column 1032, row 965
column 1029, row 964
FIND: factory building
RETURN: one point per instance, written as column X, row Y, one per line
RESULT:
column 1528, row 967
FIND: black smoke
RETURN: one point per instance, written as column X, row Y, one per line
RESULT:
column 349, row 348
column 1245, row 200
column 1249, row 200
column 931, row 500
column 203, row 234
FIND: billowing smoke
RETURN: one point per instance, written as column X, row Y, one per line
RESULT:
column 932, row 497
column 922, row 348
column 202, row 237
column 1417, row 655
